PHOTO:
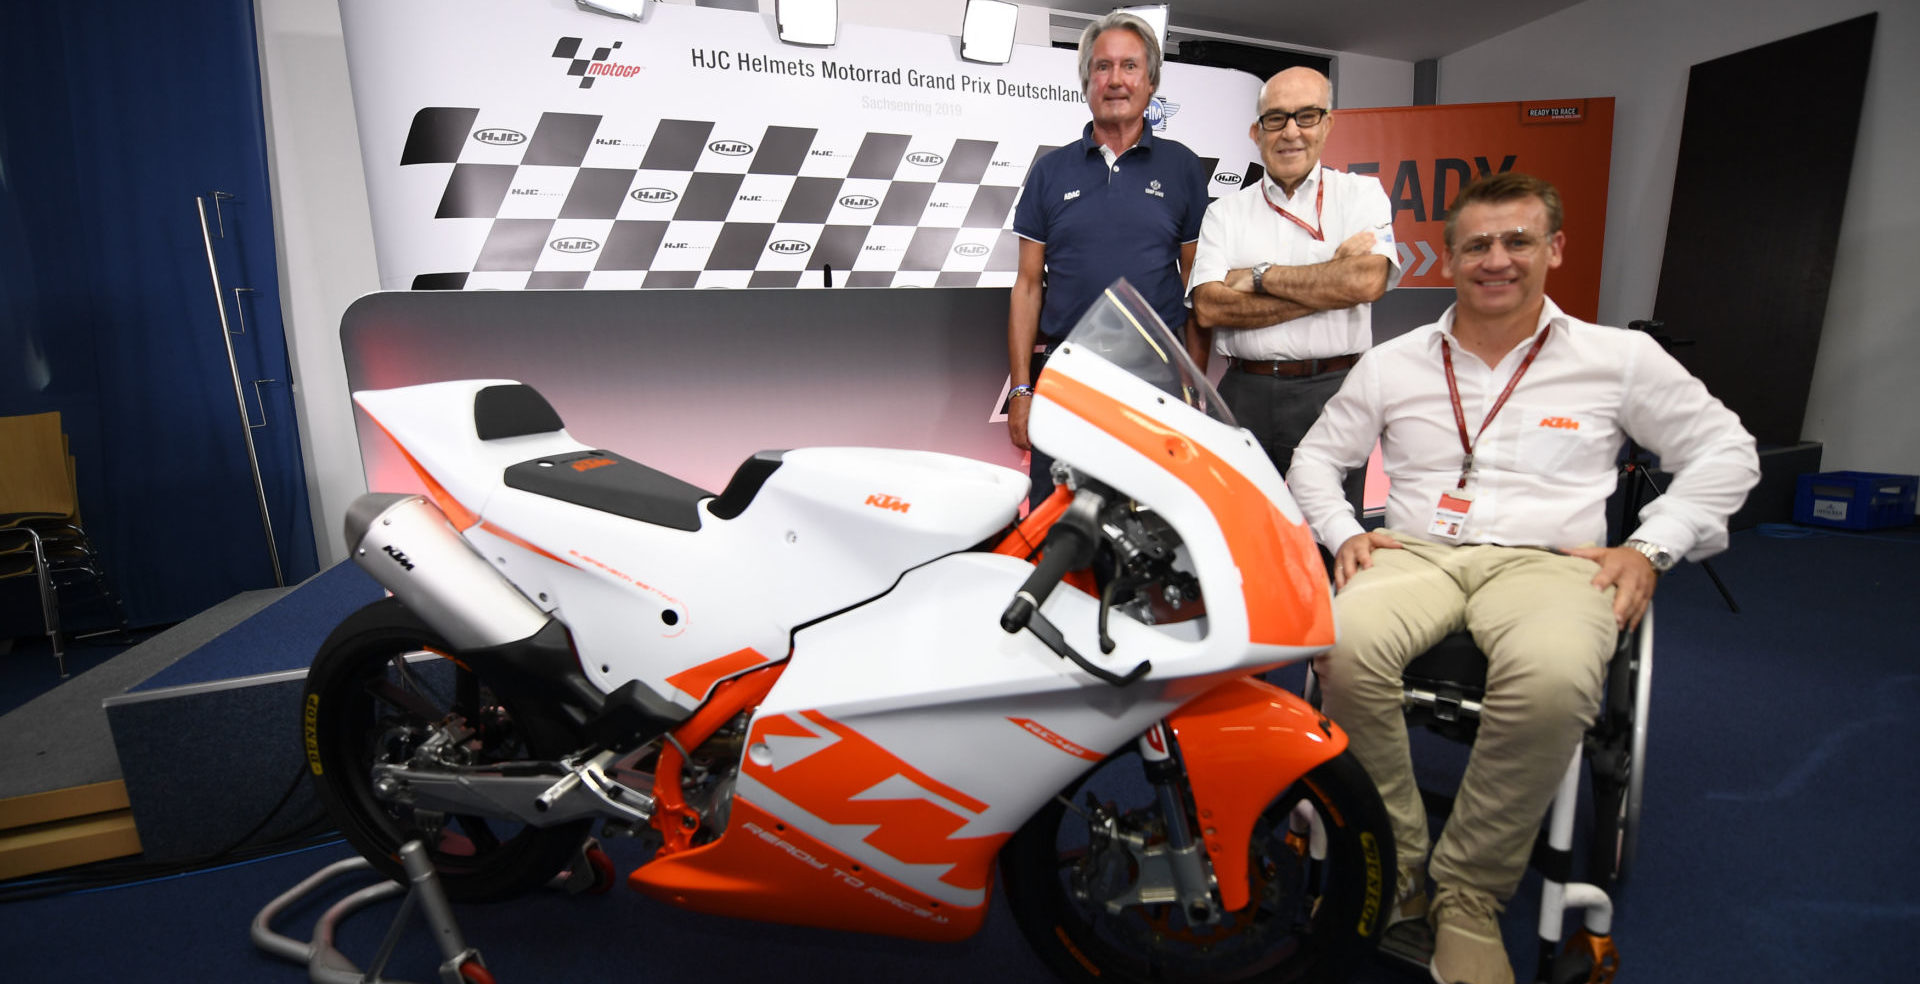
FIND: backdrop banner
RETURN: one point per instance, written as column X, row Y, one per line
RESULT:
column 1424, row 155
column 512, row 144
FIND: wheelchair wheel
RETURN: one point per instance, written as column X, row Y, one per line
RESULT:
column 1619, row 762
column 1309, row 919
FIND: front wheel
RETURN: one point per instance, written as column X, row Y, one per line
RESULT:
column 1310, row 919
column 382, row 692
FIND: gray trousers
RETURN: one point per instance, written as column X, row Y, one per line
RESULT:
column 1279, row 410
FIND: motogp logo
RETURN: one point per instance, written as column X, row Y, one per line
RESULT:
column 500, row 137
column 1159, row 111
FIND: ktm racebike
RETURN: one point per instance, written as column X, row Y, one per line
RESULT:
column 853, row 684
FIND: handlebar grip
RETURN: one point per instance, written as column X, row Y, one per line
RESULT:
column 1067, row 547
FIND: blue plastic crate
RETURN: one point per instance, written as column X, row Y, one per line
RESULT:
column 1855, row 500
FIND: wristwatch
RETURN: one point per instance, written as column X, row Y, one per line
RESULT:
column 1259, row 270
column 1660, row 557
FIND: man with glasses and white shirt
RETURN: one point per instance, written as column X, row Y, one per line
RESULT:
column 1500, row 427
column 1286, row 271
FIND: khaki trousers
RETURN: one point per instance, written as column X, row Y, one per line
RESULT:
column 1547, row 633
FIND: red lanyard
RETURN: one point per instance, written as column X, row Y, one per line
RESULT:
column 1319, row 196
column 1460, row 416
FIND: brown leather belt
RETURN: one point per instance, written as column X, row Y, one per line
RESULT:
column 1299, row 367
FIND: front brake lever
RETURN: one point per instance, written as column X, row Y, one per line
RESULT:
column 1045, row 631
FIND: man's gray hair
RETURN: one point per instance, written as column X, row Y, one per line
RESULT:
column 1110, row 22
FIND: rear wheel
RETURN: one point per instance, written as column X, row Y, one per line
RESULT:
column 1310, row 919
column 381, row 692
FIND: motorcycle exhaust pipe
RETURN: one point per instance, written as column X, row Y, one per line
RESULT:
column 408, row 545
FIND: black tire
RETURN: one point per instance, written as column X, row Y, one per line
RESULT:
column 362, row 708
column 1308, row 921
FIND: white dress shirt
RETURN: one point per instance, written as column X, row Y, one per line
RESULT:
column 1544, row 467
column 1241, row 230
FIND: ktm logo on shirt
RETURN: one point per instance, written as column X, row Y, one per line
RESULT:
column 1560, row 423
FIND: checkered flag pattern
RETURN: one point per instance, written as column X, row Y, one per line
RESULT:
column 689, row 205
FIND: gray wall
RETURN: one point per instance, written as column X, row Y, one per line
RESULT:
column 1865, row 406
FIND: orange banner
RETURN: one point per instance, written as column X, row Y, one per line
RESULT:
column 1424, row 155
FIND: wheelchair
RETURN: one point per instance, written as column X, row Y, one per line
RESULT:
column 1442, row 690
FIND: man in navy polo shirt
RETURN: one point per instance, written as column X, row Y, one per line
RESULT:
column 1118, row 202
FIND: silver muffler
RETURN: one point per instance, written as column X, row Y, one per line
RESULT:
column 408, row 545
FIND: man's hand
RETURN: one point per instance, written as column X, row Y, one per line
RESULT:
column 1356, row 555
column 1629, row 573
column 1017, row 409
column 1358, row 244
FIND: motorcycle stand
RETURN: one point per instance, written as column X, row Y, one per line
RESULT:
column 326, row 965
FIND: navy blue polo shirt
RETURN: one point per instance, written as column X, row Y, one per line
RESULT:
column 1101, row 223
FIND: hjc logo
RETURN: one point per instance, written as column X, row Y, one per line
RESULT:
column 589, row 464
column 925, row 159
column 1227, row 179
column 788, row 246
column 971, row 249
column 574, row 245
column 653, row 194
column 859, row 201
column 1560, row 423
column 883, row 501
column 398, row 557
column 501, row 138
column 731, row 148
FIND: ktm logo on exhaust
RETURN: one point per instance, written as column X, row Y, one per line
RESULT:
column 398, row 556
column 589, row 464
column 884, row 501
column 1560, row 423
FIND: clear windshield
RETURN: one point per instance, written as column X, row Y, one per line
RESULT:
column 1122, row 328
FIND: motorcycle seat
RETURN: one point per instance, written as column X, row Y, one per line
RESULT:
column 607, row 482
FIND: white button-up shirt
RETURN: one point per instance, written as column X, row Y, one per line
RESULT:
column 1545, row 465
column 1241, row 230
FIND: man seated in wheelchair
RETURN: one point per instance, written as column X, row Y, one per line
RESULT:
column 1500, row 427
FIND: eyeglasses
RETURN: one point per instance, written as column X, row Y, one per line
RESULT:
column 1307, row 118
column 1517, row 242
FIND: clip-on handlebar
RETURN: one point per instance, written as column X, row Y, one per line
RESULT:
column 1069, row 546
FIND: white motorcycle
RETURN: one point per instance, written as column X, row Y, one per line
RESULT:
column 837, row 692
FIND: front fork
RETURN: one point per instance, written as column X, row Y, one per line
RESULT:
column 1190, row 875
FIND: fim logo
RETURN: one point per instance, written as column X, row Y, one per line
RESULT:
column 653, row 195
column 500, row 137
column 1227, row 179
column 925, row 159
column 1159, row 111
column 882, row 501
column 731, row 148
column 573, row 244
column 788, row 246
column 859, row 201
column 971, row 249
column 598, row 65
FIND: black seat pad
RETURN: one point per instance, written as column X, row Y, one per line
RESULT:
column 610, row 483
column 1455, row 661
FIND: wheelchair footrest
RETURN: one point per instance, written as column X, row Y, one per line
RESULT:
column 1409, row 942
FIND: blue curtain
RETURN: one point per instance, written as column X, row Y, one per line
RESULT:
column 114, row 117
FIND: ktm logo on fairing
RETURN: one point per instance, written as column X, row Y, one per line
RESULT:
column 884, row 501
column 1560, row 423
column 589, row 464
